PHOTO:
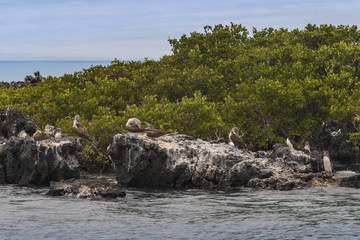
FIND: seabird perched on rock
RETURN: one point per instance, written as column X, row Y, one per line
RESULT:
column 155, row 133
column 292, row 144
column 39, row 136
column 59, row 134
column 327, row 163
column 236, row 139
column 50, row 130
column 22, row 134
column 79, row 130
column 134, row 125
column 133, row 122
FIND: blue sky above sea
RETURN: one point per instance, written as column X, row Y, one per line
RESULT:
column 138, row 29
column 90, row 31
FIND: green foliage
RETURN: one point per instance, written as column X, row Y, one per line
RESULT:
column 271, row 84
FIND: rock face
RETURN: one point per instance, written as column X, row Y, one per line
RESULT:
column 86, row 188
column 180, row 161
column 333, row 138
column 26, row 161
column 12, row 122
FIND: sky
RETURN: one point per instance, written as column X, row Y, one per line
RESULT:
column 139, row 29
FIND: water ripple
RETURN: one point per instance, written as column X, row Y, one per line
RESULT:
column 183, row 214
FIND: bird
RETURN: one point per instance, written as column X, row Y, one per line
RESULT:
column 133, row 122
column 22, row 134
column 292, row 144
column 39, row 136
column 59, row 134
column 327, row 163
column 50, row 130
column 134, row 125
column 79, row 130
column 236, row 139
column 155, row 133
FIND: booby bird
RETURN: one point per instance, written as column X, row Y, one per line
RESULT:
column 39, row 136
column 155, row 133
column 22, row 134
column 59, row 134
column 50, row 130
column 79, row 130
column 292, row 144
column 134, row 125
column 236, row 139
column 327, row 163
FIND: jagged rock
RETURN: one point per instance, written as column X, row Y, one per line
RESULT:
column 12, row 122
column 86, row 188
column 180, row 161
column 28, row 80
column 348, row 179
column 334, row 137
column 27, row 162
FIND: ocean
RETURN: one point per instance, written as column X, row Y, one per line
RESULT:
column 17, row 70
column 314, row 213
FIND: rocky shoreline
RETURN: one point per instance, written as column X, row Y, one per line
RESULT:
column 178, row 161
column 53, row 162
column 169, row 161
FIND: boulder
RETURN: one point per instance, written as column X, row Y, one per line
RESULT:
column 334, row 137
column 180, row 161
column 12, row 122
column 28, row 162
column 86, row 188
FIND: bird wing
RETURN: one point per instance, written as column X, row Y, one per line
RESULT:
column 156, row 133
column 236, row 139
column 135, row 129
column 81, row 131
column 40, row 137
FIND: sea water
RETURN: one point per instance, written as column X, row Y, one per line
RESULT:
column 18, row 70
column 314, row 213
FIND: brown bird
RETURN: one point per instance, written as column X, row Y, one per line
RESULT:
column 236, row 139
column 79, row 130
column 39, row 136
column 134, row 125
column 155, row 133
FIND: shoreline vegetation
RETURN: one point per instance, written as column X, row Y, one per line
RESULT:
column 272, row 84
